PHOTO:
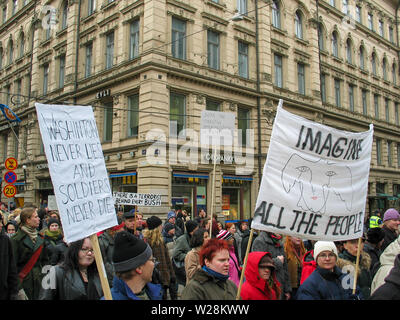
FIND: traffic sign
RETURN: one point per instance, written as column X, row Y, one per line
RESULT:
column 10, row 190
column 10, row 177
column 11, row 164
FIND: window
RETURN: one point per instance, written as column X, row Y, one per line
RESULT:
column 10, row 52
column 362, row 58
column 109, row 50
column 8, row 95
column 88, row 59
column 21, row 45
column 134, row 39
column 177, row 113
column 133, row 115
column 396, row 114
column 387, row 110
column 298, row 24
column 345, row 6
column 18, row 84
column 321, row 37
column 301, row 78
column 323, row 87
column 278, row 70
column 62, row 72
column 14, row 6
column 378, row 151
column 1, row 58
column 108, row 114
column 349, row 51
column 45, row 78
column 380, row 27
column 4, row 14
column 358, row 14
column 243, row 125
column 335, row 48
column 384, row 69
column 398, row 155
column 370, row 21
column 212, row 105
column 376, row 106
column 391, row 35
column 373, row 63
column 213, row 49
column 389, row 150
column 394, row 78
column 243, row 54
column 276, row 14
column 364, row 102
column 242, row 6
column 91, row 7
column 332, row 3
column 337, row 93
column 178, row 38
column 351, row 97
column 64, row 16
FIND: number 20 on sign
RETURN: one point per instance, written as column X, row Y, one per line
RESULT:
column 9, row 190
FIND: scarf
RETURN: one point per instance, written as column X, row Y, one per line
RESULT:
column 276, row 239
column 215, row 274
column 31, row 232
column 53, row 235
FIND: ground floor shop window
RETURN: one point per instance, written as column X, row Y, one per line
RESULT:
column 236, row 197
column 124, row 182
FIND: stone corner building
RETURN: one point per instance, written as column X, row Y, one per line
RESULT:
column 149, row 67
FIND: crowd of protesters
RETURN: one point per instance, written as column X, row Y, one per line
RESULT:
column 193, row 257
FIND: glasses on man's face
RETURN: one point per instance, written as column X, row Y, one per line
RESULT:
column 326, row 256
column 154, row 260
column 86, row 250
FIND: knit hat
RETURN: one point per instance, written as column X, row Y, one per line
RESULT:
column 153, row 222
column 130, row 214
column 191, row 225
column 53, row 220
column 168, row 226
column 224, row 235
column 374, row 235
column 320, row 246
column 267, row 260
column 130, row 252
column 170, row 215
column 391, row 214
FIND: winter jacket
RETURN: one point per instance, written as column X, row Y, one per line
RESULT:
column 234, row 268
column 242, row 247
column 203, row 286
column 8, row 270
column 106, row 243
column 58, row 253
column 309, row 265
column 374, row 253
column 160, row 252
column 390, row 236
column 325, row 284
column 121, row 291
column 70, row 286
column 347, row 262
column 182, row 247
column 254, row 287
column 192, row 263
column 23, row 249
column 265, row 243
column 386, row 264
column 390, row 290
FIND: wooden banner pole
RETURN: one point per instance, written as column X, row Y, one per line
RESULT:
column 244, row 264
column 100, row 267
column 357, row 265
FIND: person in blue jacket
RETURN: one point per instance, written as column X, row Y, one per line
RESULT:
column 133, row 264
column 327, row 281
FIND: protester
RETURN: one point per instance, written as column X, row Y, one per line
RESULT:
column 373, row 245
column 294, row 250
column 261, row 282
column 171, row 224
column 375, row 221
column 200, row 216
column 211, row 281
column 309, row 265
column 347, row 262
column 133, row 264
column 182, row 247
column 231, row 228
column 8, row 269
column 11, row 228
column 270, row 242
column 57, row 256
column 130, row 222
column 234, row 268
column 106, row 243
column 52, row 238
column 168, row 233
column 245, row 241
column 29, row 252
column 152, row 235
column 325, row 283
column 77, row 277
column 192, row 260
column 241, row 231
column 14, row 214
column 391, row 222
column 181, row 218
column 390, row 290
column 386, row 264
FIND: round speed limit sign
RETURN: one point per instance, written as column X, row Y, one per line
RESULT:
column 10, row 190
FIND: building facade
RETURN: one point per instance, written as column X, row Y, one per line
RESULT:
column 149, row 67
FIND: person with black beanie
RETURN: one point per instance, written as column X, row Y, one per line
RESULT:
column 373, row 246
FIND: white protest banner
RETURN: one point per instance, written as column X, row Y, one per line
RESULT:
column 137, row 199
column 52, row 202
column 315, row 180
column 216, row 128
column 77, row 169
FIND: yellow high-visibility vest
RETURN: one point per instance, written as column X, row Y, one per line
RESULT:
column 375, row 222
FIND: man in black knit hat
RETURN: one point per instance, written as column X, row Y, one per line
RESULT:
column 133, row 264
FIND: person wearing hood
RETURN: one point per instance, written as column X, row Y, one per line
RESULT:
column 390, row 290
column 391, row 222
column 373, row 245
column 309, row 265
column 261, row 282
column 325, row 283
column 270, row 242
column 386, row 264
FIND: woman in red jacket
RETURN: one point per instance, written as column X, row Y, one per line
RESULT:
column 261, row 283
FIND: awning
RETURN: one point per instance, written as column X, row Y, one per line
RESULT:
column 243, row 178
column 189, row 175
column 122, row 174
column 385, row 195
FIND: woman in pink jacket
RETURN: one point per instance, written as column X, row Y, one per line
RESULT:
column 234, row 267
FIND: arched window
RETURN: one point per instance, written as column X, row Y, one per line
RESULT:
column 362, row 58
column 321, row 42
column 298, row 24
column 349, row 51
column 335, row 45
column 64, row 15
column 21, row 45
column 276, row 14
column 373, row 64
